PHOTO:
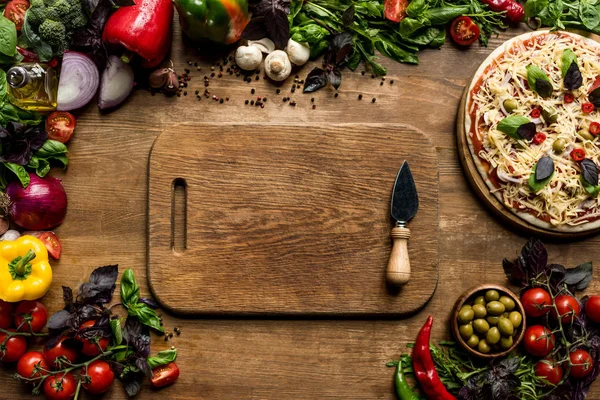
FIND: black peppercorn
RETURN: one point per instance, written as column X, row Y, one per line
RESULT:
column 373, row 100
column 360, row 96
column 247, row 101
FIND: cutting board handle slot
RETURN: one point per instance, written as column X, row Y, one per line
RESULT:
column 179, row 216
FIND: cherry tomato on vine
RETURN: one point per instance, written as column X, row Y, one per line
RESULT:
column 538, row 341
column 536, row 301
column 13, row 349
column 464, row 31
column 592, row 308
column 165, row 375
column 52, row 244
column 32, row 364
column 551, row 372
column 100, row 377
column 6, row 314
column 30, row 312
column 15, row 11
column 90, row 348
column 59, row 349
column 395, row 10
column 60, row 387
column 568, row 308
column 60, row 126
column 581, row 364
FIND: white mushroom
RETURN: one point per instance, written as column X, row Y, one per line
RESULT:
column 278, row 66
column 298, row 52
column 248, row 57
column 265, row 45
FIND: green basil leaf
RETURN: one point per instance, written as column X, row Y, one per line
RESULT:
column 371, row 9
column 536, row 185
column 354, row 61
column 590, row 189
column 440, row 39
column 130, row 291
column 588, row 14
column 566, row 59
column 20, row 172
column 117, row 331
column 443, row 15
column 34, row 162
column 424, row 36
column 534, row 7
column 389, row 49
column 408, row 26
column 416, row 8
column 51, row 148
column 146, row 316
column 538, row 81
column 8, row 37
column 162, row 358
column 511, row 124
column 43, row 168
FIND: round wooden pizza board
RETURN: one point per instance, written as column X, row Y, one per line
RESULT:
column 491, row 201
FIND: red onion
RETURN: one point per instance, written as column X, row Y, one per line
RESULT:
column 40, row 206
column 116, row 84
column 78, row 82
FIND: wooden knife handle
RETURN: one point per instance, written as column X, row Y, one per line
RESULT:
column 398, row 268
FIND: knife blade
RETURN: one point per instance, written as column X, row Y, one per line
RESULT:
column 405, row 200
column 404, row 206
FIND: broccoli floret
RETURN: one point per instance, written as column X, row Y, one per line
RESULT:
column 36, row 13
column 56, row 20
column 69, row 12
column 54, row 33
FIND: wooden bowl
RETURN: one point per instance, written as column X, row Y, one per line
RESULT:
column 469, row 296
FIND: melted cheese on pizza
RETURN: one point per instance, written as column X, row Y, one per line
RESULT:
column 564, row 200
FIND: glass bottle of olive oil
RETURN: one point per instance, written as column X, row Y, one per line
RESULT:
column 32, row 86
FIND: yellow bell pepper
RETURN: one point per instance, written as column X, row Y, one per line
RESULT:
column 25, row 273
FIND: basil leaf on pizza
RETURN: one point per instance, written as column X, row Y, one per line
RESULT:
column 538, row 81
column 594, row 97
column 570, row 70
column 590, row 189
column 589, row 171
column 546, row 170
column 511, row 125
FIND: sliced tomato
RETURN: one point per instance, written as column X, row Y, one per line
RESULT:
column 60, row 126
column 464, row 31
column 15, row 11
column 595, row 85
column 395, row 10
column 164, row 375
column 52, row 244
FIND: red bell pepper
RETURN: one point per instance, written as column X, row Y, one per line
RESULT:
column 144, row 28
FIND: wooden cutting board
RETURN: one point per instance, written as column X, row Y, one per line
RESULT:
column 285, row 220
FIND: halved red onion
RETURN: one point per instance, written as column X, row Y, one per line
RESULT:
column 78, row 81
column 116, row 84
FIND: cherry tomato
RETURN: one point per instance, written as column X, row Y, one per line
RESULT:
column 595, row 128
column 100, row 377
column 587, row 108
column 568, row 308
column 59, row 350
column 6, row 314
column 165, row 375
column 15, row 11
column 569, row 98
column 395, row 10
column 539, row 138
column 31, row 365
column 538, row 341
column 535, row 113
column 592, row 308
column 30, row 313
column 14, row 348
column 60, row 126
column 581, row 364
column 536, row 301
column 551, row 372
column 577, row 154
column 595, row 85
column 52, row 244
column 60, row 387
column 90, row 348
column 464, row 31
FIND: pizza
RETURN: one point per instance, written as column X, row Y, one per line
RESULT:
column 532, row 124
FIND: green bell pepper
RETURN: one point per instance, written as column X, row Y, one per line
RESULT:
column 221, row 21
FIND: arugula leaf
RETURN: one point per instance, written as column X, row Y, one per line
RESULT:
column 8, row 37
column 162, row 358
column 511, row 124
column 538, row 81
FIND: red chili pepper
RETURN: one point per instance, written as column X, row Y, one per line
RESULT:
column 587, row 108
column 514, row 10
column 595, row 128
column 569, row 98
column 424, row 368
column 535, row 113
column 577, row 154
column 144, row 28
column 28, row 55
column 539, row 138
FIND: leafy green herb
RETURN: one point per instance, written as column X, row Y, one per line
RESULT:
column 588, row 14
column 591, row 189
column 538, row 81
column 8, row 37
column 10, row 113
column 511, row 124
column 130, row 297
column 589, row 171
column 162, row 358
column 117, row 331
column 544, row 168
column 536, row 185
column 567, row 58
column 20, row 172
column 534, row 7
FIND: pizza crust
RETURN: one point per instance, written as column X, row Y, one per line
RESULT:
column 482, row 168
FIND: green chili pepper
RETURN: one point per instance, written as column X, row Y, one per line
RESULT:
column 403, row 391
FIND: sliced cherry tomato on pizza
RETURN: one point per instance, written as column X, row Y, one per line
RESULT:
column 464, row 31
column 395, row 10
column 569, row 98
column 60, row 126
column 52, row 244
column 535, row 113
column 577, row 154
column 539, row 138
column 595, row 128
column 595, row 85
column 15, row 11
column 587, row 108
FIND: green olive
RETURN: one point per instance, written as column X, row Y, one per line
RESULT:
column 465, row 315
column 515, row 318
column 479, row 310
column 466, row 331
column 479, row 300
column 510, row 105
column 506, row 327
column 559, row 145
column 473, row 341
column 492, row 295
column 483, row 347
column 481, row 325
column 509, row 304
column 495, row 308
column 585, row 134
column 493, row 320
column 550, row 115
column 506, row 342
column 493, row 335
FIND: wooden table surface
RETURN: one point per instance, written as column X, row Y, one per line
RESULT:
column 282, row 359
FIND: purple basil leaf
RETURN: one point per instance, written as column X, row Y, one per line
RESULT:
column 316, row 79
column 149, row 302
column 348, row 15
column 52, row 340
column 535, row 257
column 544, row 168
column 142, row 364
column 105, row 276
column 335, row 78
column 278, row 27
column 132, row 384
column 137, row 336
column 580, row 276
column 72, row 343
column 513, row 272
column 594, row 97
column 256, row 29
column 67, row 295
column 527, row 131
column 59, row 320
column 589, row 171
column 573, row 79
